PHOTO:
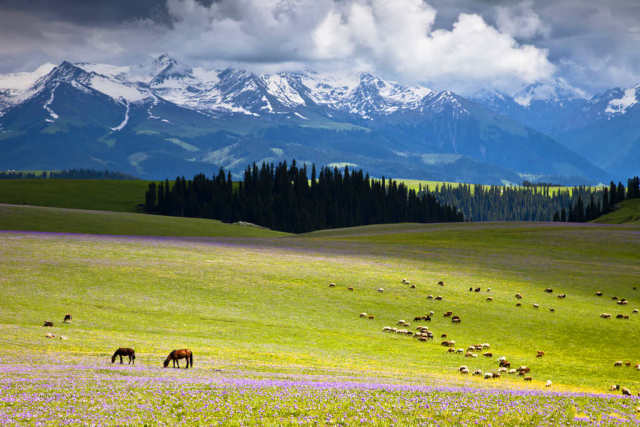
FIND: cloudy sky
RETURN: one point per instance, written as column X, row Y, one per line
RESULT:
column 459, row 44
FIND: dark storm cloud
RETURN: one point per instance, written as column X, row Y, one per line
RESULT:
column 461, row 43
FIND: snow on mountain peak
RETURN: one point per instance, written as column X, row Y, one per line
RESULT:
column 620, row 105
column 555, row 90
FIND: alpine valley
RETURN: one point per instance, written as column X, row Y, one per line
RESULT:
column 165, row 119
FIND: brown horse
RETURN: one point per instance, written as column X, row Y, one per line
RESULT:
column 176, row 355
column 123, row 351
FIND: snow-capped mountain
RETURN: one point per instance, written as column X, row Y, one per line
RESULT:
column 604, row 128
column 165, row 117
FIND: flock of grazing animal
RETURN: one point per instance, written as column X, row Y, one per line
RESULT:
column 130, row 353
column 423, row 334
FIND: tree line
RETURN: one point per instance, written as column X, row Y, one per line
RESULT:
column 66, row 174
column 295, row 199
column 589, row 208
column 511, row 203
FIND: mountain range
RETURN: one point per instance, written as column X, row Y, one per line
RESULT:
column 166, row 118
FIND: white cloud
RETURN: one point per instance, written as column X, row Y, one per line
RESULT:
column 521, row 21
column 396, row 38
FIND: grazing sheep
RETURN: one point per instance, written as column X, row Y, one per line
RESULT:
column 451, row 350
column 536, row 306
column 443, row 336
column 441, row 283
column 47, row 324
column 350, row 288
column 332, row 285
column 605, row 316
column 460, row 350
column 528, row 379
column 625, row 391
column 371, row 317
column 502, row 358
column 49, row 335
column 523, row 370
column 562, row 296
column 539, row 353
column 614, row 298
column 363, row 315
column 488, row 375
column 548, row 383
column 438, row 298
column 614, row 387
column 635, row 311
column 412, row 286
column 402, row 323
column 518, row 296
column 518, row 304
column 464, row 371
column 421, row 338
column 67, row 318
column 512, row 371
column 505, row 364
column 598, row 293
column 627, row 363
column 455, row 319
column 470, row 289
column 387, row 329
column 405, row 281
column 552, row 310
column 381, row 290
column 467, row 354
column 548, row 290
column 448, row 313
column 487, row 354
column 502, row 370
column 476, row 290
column 429, row 296
column 477, row 372
column 620, row 316
column 485, row 346
column 463, row 367
column 489, row 299
column 617, row 363
column 62, row 337
column 488, row 289
column 431, row 313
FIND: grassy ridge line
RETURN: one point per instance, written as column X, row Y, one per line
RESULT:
column 99, row 194
column 627, row 212
column 61, row 220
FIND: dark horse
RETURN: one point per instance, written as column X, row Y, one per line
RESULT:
column 175, row 355
column 122, row 351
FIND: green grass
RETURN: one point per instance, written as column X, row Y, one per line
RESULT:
column 260, row 300
column 627, row 212
column 110, row 195
column 35, row 218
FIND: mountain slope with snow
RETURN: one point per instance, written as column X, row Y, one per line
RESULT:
column 168, row 118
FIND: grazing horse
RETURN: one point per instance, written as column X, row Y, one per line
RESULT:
column 176, row 355
column 123, row 351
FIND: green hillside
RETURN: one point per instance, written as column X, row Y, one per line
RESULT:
column 59, row 220
column 258, row 301
column 108, row 195
column 627, row 212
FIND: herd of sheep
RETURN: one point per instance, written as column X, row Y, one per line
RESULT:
column 423, row 333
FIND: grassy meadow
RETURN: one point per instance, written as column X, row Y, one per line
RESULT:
column 271, row 338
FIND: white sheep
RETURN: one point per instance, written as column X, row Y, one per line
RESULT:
column 548, row 383
column 381, row 290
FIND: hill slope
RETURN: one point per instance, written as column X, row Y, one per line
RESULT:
column 627, row 212
column 263, row 304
